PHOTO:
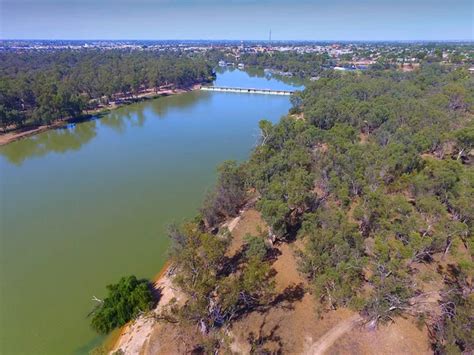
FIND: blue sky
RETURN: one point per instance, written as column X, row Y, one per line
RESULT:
column 237, row 19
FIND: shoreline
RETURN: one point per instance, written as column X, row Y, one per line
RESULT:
column 15, row 135
column 117, row 338
column 134, row 335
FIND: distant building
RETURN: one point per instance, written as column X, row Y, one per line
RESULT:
column 222, row 63
column 241, row 66
column 363, row 62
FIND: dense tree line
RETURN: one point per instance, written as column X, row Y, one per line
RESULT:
column 376, row 179
column 374, row 173
column 300, row 65
column 39, row 87
column 303, row 65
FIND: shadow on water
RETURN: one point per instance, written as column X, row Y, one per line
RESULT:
column 295, row 81
column 161, row 107
column 253, row 72
column 94, row 216
column 60, row 140
column 82, row 130
column 134, row 115
column 259, row 78
column 119, row 121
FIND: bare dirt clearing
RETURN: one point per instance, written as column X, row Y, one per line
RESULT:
column 328, row 339
column 291, row 324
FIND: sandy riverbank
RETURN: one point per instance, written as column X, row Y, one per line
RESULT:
column 15, row 135
column 291, row 325
column 117, row 338
column 133, row 337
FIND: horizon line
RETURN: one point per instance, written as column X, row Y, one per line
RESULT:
column 232, row 40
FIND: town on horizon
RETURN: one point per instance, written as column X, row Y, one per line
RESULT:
column 340, row 55
column 237, row 177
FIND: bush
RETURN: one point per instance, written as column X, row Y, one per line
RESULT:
column 125, row 301
column 227, row 196
column 256, row 247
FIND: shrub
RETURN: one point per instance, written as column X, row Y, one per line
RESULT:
column 125, row 301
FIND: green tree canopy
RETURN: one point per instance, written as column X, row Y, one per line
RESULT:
column 125, row 301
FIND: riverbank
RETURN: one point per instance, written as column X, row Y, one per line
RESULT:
column 153, row 158
column 290, row 325
column 9, row 137
column 115, row 339
column 134, row 336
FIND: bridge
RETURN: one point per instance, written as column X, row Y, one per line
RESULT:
column 248, row 90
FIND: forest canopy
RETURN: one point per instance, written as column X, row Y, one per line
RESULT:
column 40, row 87
column 126, row 300
column 372, row 172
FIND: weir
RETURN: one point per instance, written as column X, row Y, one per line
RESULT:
column 247, row 90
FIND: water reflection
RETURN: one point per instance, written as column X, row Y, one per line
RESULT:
column 162, row 107
column 291, row 80
column 104, row 208
column 59, row 140
column 294, row 81
column 132, row 115
column 73, row 136
column 115, row 121
column 258, row 78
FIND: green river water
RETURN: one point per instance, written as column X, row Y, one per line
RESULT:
column 84, row 205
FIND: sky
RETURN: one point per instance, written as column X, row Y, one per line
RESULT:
column 238, row 19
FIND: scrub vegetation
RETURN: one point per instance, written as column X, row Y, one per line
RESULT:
column 375, row 179
column 126, row 300
column 372, row 175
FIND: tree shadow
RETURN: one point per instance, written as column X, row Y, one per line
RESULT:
column 156, row 293
column 232, row 264
column 198, row 350
column 257, row 342
column 272, row 255
column 290, row 295
column 292, row 231
column 59, row 140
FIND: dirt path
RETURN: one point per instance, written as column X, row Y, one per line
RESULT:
column 9, row 137
column 328, row 339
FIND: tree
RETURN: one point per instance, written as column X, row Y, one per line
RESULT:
column 256, row 247
column 40, row 87
column 227, row 196
column 332, row 257
column 464, row 140
column 217, row 293
column 125, row 301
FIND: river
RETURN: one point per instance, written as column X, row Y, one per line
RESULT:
column 83, row 205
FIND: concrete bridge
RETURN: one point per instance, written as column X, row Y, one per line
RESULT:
column 248, row 90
